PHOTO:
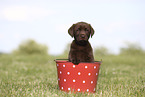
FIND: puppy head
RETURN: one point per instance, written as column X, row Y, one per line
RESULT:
column 81, row 31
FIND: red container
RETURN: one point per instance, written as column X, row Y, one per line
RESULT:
column 77, row 78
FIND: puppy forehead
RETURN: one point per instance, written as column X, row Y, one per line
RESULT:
column 82, row 25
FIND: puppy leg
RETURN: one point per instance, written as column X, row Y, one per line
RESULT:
column 73, row 58
column 75, row 61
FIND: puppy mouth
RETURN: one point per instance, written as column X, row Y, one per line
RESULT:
column 83, row 39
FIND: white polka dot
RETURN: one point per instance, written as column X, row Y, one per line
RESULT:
column 57, row 64
column 63, row 65
column 79, row 73
column 59, row 79
column 74, row 80
column 89, row 74
column 64, row 80
column 84, row 81
column 86, row 66
column 62, row 88
column 94, row 67
column 87, row 90
column 74, row 66
column 68, row 88
column 94, row 89
column 96, row 73
column 79, row 89
column 60, row 72
column 68, row 73
column 91, row 82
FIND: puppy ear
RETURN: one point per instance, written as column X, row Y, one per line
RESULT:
column 71, row 30
column 92, row 31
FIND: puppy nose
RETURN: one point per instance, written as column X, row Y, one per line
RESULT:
column 82, row 35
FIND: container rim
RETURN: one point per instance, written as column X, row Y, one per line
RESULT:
column 66, row 60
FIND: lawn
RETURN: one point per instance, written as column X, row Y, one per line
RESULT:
column 36, row 76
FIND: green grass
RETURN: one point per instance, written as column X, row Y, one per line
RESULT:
column 36, row 76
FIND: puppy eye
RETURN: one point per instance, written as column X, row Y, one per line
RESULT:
column 78, row 29
column 86, row 29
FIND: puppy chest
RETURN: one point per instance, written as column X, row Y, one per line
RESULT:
column 83, row 55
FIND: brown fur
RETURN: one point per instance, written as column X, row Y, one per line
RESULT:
column 81, row 50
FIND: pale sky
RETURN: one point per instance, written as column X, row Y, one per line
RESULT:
column 47, row 22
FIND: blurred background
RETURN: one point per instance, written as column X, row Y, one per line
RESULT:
column 41, row 26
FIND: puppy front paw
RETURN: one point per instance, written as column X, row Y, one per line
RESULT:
column 75, row 61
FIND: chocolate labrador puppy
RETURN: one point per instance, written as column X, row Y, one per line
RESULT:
column 81, row 50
